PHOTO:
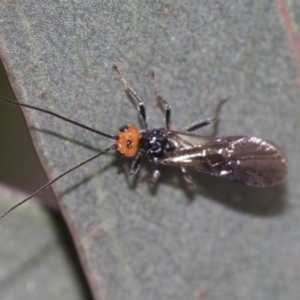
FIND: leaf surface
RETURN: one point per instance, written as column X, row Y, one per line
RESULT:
column 231, row 241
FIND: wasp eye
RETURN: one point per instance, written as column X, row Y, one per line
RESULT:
column 123, row 128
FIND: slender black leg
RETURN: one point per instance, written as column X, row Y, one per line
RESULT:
column 135, row 166
column 155, row 175
column 133, row 94
column 187, row 176
column 209, row 121
column 162, row 101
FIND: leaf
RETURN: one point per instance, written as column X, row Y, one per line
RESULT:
column 231, row 241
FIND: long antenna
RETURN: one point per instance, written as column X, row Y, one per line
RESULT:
column 113, row 137
column 112, row 147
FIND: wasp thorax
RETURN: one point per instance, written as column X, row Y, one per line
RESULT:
column 156, row 142
column 128, row 140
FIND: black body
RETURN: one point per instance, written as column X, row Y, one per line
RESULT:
column 248, row 160
column 156, row 143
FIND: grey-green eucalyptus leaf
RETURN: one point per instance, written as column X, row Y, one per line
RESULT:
column 231, row 241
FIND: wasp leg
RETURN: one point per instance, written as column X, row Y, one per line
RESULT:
column 133, row 94
column 135, row 166
column 187, row 176
column 162, row 101
column 190, row 187
column 153, row 178
column 209, row 121
column 155, row 175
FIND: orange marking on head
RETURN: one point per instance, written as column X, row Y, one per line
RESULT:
column 128, row 141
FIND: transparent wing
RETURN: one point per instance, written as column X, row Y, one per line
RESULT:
column 249, row 160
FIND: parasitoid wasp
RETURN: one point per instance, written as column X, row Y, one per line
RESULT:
column 248, row 160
